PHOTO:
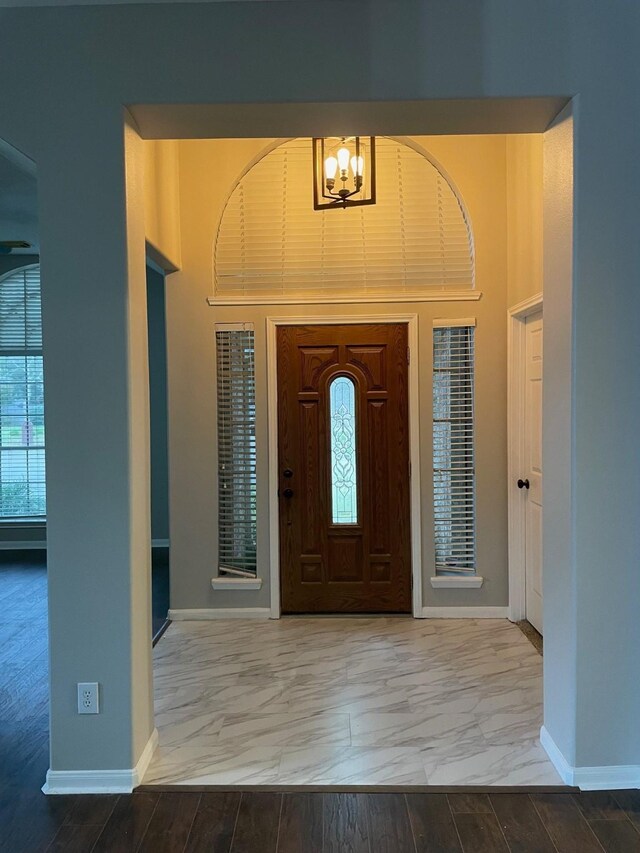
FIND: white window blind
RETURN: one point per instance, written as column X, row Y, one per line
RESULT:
column 235, row 358
column 272, row 243
column 453, row 448
column 22, row 459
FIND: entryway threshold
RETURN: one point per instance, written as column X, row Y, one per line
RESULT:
column 364, row 789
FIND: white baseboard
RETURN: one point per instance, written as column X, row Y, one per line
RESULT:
column 613, row 777
column 145, row 759
column 220, row 613
column 465, row 612
column 101, row 781
column 41, row 544
column 23, row 545
column 565, row 770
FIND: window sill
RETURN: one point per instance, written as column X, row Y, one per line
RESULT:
column 450, row 582
column 423, row 296
column 236, row 583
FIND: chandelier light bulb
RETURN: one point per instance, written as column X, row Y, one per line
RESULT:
column 330, row 168
column 357, row 166
column 343, row 159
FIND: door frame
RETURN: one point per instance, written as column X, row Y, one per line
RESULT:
column 411, row 321
column 516, row 359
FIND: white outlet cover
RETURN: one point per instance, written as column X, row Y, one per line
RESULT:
column 88, row 697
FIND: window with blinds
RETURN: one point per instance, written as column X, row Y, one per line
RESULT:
column 453, row 448
column 235, row 362
column 272, row 245
column 22, row 463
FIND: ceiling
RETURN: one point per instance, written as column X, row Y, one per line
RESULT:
column 379, row 118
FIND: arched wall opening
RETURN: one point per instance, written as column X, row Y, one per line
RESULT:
column 500, row 180
column 500, row 205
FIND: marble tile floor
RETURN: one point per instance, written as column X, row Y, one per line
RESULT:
column 341, row 701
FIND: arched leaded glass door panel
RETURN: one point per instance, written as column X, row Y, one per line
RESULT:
column 344, row 469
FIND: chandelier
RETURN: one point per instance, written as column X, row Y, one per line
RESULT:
column 344, row 171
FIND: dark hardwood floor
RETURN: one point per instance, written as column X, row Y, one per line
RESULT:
column 300, row 822
column 153, row 820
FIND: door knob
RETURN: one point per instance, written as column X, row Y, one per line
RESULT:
column 288, row 473
column 523, row 484
column 287, row 493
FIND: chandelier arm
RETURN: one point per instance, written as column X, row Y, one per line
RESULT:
column 337, row 199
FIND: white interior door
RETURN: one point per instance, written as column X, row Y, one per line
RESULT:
column 533, row 469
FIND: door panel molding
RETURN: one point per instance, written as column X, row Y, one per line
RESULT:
column 516, row 343
column 272, row 324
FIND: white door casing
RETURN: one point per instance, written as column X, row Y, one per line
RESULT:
column 272, row 324
column 520, row 457
column 533, row 470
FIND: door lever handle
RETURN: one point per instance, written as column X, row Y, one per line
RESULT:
column 523, row 484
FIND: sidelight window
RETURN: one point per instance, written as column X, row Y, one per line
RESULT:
column 453, row 447
column 344, row 472
column 235, row 357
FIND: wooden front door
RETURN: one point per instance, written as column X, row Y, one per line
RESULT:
column 343, row 441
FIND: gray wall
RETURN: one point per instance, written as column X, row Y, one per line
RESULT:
column 14, row 262
column 558, row 438
column 69, row 120
column 158, row 405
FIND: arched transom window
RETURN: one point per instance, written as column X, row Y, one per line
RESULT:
column 272, row 245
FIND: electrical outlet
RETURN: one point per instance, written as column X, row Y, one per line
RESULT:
column 88, row 698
